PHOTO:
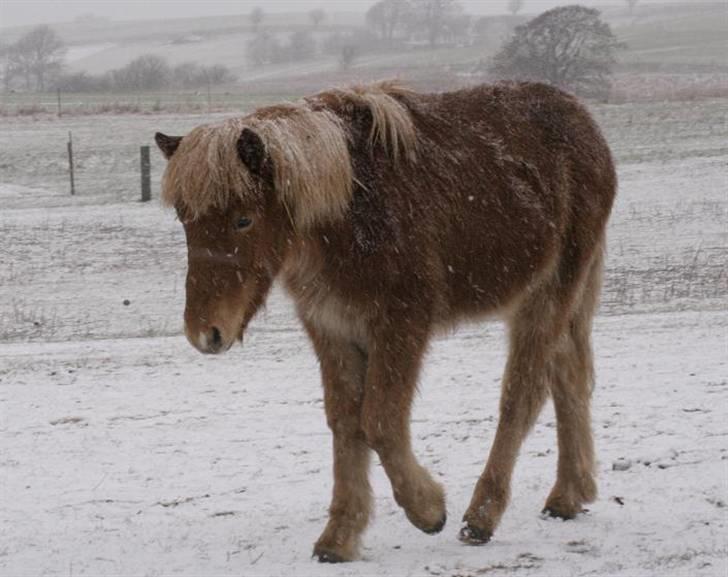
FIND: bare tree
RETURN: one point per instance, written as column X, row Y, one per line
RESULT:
column 301, row 46
column 457, row 29
column 434, row 15
column 147, row 72
column 262, row 48
column 265, row 48
column 193, row 75
column 186, row 74
column 631, row 4
column 349, row 53
column 7, row 68
column 386, row 16
column 514, row 6
column 350, row 45
column 316, row 16
column 218, row 74
column 37, row 55
column 256, row 17
column 569, row 47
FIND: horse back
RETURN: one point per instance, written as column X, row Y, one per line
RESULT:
column 502, row 182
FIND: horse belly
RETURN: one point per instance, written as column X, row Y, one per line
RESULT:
column 496, row 255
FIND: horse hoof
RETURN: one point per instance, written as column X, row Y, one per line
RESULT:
column 328, row 557
column 438, row 527
column 555, row 513
column 474, row 536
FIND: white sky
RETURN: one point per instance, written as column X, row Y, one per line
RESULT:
column 28, row 12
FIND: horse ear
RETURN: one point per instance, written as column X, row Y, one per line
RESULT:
column 251, row 151
column 167, row 144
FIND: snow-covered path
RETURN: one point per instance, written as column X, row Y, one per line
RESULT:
column 139, row 456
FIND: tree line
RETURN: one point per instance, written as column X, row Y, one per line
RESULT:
column 147, row 72
column 426, row 21
column 570, row 47
column 35, row 62
column 433, row 21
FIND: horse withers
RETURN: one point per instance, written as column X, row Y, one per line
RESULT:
column 390, row 215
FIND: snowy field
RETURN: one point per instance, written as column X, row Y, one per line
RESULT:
column 124, row 452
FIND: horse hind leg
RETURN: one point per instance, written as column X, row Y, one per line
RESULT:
column 550, row 351
column 571, row 386
column 533, row 329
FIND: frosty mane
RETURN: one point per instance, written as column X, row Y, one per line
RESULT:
column 307, row 144
column 392, row 127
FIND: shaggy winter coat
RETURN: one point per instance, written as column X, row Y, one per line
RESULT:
column 390, row 215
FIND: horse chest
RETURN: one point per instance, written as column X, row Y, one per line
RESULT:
column 331, row 315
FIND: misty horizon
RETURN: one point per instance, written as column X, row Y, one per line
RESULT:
column 18, row 13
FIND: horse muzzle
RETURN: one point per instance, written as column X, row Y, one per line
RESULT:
column 210, row 341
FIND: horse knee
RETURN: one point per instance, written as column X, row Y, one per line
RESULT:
column 342, row 425
column 374, row 435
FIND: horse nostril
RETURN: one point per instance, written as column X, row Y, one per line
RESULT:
column 216, row 341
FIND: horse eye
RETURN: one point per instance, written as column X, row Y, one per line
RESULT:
column 243, row 222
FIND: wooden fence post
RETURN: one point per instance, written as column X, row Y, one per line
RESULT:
column 146, row 177
column 70, row 161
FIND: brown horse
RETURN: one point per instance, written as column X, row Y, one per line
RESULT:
column 390, row 215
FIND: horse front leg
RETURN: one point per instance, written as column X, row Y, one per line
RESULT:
column 343, row 368
column 394, row 363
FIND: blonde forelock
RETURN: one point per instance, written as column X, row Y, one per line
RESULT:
column 205, row 170
column 308, row 148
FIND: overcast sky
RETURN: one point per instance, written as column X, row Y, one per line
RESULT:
column 24, row 12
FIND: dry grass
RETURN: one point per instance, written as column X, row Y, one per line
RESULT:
column 31, row 110
column 668, row 87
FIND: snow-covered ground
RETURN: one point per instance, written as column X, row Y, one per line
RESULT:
column 124, row 452
column 140, row 457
